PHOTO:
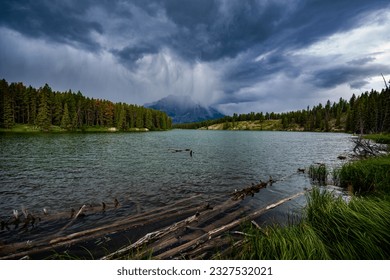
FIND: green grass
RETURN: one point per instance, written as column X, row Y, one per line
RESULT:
column 27, row 128
column 366, row 176
column 318, row 173
column 295, row 242
column 354, row 230
column 379, row 138
column 330, row 229
column 22, row 128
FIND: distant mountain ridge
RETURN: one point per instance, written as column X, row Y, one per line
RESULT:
column 182, row 109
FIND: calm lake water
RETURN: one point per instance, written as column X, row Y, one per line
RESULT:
column 60, row 171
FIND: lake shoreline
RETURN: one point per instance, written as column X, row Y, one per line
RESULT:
column 333, row 227
column 32, row 129
column 58, row 172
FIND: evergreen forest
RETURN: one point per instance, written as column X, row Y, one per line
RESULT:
column 364, row 114
column 45, row 109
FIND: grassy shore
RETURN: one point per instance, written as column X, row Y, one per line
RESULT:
column 379, row 138
column 332, row 227
column 266, row 125
column 368, row 176
column 25, row 128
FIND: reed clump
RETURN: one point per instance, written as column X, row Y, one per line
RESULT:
column 357, row 229
column 370, row 175
column 318, row 173
column 331, row 228
column 294, row 242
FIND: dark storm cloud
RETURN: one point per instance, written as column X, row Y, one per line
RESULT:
column 58, row 21
column 206, row 30
column 262, row 69
column 234, row 51
column 358, row 84
column 219, row 29
column 130, row 54
column 211, row 30
column 314, row 20
column 355, row 76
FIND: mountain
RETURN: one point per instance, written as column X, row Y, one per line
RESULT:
column 182, row 109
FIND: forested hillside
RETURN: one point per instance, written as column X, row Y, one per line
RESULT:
column 45, row 108
column 366, row 113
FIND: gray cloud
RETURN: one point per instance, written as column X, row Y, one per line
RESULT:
column 358, row 84
column 232, row 54
column 58, row 21
column 355, row 76
column 361, row 61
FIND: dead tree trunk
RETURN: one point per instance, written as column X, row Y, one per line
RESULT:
column 365, row 147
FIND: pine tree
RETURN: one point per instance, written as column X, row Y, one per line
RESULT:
column 139, row 120
column 148, row 121
column 43, row 119
column 121, row 122
column 7, row 119
column 3, row 88
column 65, row 121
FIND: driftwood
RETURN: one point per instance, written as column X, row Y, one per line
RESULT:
column 31, row 219
column 250, row 191
column 365, row 147
column 191, row 244
column 218, row 231
column 188, row 229
column 51, row 242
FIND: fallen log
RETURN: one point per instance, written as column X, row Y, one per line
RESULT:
column 170, row 235
column 250, row 191
column 365, row 147
column 150, row 237
column 219, row 215
column 213, row 233
column 49, row 243
column 190, row 244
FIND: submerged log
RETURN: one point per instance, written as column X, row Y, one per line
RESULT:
column 250, row 191
column 189, row 228
column 56, row 240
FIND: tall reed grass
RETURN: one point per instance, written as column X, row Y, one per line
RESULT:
column 318, row 173
column 366, row 176
column 331, row 228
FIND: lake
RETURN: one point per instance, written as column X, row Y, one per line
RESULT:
column 60, row 171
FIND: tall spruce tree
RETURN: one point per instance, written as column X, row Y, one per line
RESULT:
column 43, row 117
column 66, row 122
column 7, row 112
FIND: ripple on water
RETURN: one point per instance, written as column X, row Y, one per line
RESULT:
column 66, row 170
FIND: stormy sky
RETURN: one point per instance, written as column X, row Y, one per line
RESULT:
column 239, row 56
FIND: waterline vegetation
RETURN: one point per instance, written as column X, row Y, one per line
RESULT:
column 318, row 173
column 333, row 227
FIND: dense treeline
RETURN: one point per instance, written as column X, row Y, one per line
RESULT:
column 45, row 108
column 367, row 113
